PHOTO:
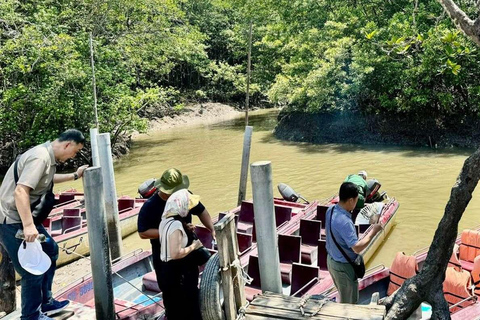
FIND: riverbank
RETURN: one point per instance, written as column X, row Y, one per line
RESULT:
column 358, row 129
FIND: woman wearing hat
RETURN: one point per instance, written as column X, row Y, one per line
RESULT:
column 178, row 275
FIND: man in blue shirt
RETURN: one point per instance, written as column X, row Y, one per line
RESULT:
column 343, row 230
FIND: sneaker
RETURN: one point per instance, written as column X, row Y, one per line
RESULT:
column 54, row 306
column 44, row 317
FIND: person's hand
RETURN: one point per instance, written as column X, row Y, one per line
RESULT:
column 377, row 227
column 30, row 232
column 190, row 227
column 81, row 170
column 197, row 244
column 214, row 235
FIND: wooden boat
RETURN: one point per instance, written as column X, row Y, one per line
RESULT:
column 464, row 259
column 67, row 223
column 132, row 302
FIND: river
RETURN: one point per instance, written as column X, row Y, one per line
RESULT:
column 420, row 178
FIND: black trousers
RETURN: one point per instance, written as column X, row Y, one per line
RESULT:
column 178, row 281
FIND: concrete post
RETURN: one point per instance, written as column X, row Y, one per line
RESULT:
column 94, row 145
column 98, row 242
column 266, row 232
column 8, row 302
column 247, row 142
column 111, row 204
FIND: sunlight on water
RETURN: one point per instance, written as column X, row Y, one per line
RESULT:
column 420, row 179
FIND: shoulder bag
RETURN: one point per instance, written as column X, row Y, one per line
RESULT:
column 358, row 265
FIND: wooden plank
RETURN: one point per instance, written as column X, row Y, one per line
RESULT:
column 238, row 285
column 220, row 225
column 226, row 271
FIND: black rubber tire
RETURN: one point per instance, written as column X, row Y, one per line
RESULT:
column 210, row 291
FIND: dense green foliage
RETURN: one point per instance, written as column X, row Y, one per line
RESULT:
column 378, row 57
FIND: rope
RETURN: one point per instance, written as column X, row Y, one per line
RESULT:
column 242, row 311
column 236, row 264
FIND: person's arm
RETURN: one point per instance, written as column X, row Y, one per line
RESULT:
column 149, row 234
column 22, row 202
column 58, row 178
column 362, row 244
column 207, row 222
column 176, row 250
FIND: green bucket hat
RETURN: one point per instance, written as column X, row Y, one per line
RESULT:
column 172, row 180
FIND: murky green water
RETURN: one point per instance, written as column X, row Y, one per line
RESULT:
column 420, row 179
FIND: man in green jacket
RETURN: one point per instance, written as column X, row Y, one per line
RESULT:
column 360, row 180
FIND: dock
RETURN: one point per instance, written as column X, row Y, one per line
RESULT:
column 276, row 306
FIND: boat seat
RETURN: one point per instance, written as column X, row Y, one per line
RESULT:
column 322, row 254
column 476, row 275
column 403, row 267
column 244, row 242
column 71, row 212
column 223, row 214
column 254, row 272
column 310, row 233
column 454, row 261
column 205, row 236
column 245, row 227
column 455, row 289
column 470, row 245
column 149, row 282
column 70, row 224
column 321, row 213
column 289, row 252
column 246, row 212
column 282, row 214
column 125, row 204
column 303, row 278
column 65, row 197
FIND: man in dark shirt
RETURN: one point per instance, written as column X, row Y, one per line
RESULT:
column 151, row 212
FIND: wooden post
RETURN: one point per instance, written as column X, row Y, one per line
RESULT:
column 232, row 280
column 249, row 63
column 94, row 85
column 111, row 204
column 265, row 227
column 94, row 146
column 8, row 302
column 247, row 142
column 98, row 242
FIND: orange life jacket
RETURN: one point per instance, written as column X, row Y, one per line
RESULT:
column 455, row 288
column 403, row 268
column 470, row 245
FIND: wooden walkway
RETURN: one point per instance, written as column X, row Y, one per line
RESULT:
column 275, row 306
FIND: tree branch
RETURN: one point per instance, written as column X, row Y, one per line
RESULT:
column 470, row 27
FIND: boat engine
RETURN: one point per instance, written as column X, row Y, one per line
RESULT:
column 374, row 188
column 147, row 189
column 289, row 194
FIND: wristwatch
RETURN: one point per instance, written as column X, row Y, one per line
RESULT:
column 75, row 176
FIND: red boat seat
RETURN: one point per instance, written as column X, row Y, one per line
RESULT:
column 454, row 261
column 470, row 245
column 322, row 254
column 64, row 197
column 246, row 212
column 403, row 267
column 244, row 241
column 282, row 214
column 476, row 275
column 310, row 233
column 149, row 282
column 254, row 272
column 321, row 213
column 245, row 227
column 70, row 224
column 303, row 278
column 455, row 288
column 289, row 252
column 204, row 235
column 71, row 212
column 125, row 204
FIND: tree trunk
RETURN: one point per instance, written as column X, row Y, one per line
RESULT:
column 428, row 284
column 470, row 27
column 8, row 302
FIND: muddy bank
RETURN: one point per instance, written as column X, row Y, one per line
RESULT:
column 354, row 128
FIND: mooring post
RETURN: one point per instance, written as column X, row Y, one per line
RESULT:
column 111, row 204
column 266, row 232
column 8, row 302
column 98, row 242
column 247, row 142
column 94, row 146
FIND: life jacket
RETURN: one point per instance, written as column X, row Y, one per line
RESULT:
column 455, row 288
column 476, row 275
column 470, row 245
column 454, row 261
column 403, row 267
